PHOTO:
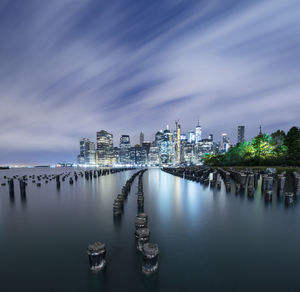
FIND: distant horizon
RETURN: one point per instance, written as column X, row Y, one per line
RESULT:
column 116, row 144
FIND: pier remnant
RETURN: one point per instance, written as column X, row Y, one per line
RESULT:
column 142, row 236
column 288, row 198
column 57, row 182
column 97, row 252
column 22, row 188
column 150, row 258
column 140, row 201
column 280, row 183
column 143, row 216
column 297, row 184
column 140, row 222
column 11, row 187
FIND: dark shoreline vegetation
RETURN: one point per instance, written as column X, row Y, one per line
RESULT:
column 278, row 149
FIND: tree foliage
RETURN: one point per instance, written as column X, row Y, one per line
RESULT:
column 292, row 142
column 275, row 149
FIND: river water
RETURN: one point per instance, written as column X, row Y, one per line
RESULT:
column 209, row 240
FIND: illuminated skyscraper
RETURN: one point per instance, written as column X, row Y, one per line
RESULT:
column 191, row 137
column 87, row 152
column 166, row 148
column 105, row 148
column 104, row 140
column 125, row 149
column 178, row 138
column 198, row 133
column 84, row 146
column 91, row 154
column 158, row 138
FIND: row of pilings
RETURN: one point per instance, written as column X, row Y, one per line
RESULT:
column 38, row 179
column 97, row 251
column 199, row 174
column 271, row 184
column 242, row 181
column 118, row 204
column 149, row 250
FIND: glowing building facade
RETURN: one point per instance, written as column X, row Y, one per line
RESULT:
column 198, row 133
column 168, row 148
column 105, row 154
column 125, row 149
column 177, row 145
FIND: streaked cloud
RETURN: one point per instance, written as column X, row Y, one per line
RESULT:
column 70, row 68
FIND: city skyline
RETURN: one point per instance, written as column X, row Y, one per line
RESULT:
column 71, row 68
column 169, row 147
column 137, row 136
column 135, row 140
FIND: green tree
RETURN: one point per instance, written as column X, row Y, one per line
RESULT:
column 277, row 141
column 278, row 138
column 292, row 142
column 262, row 146
column 275, row 149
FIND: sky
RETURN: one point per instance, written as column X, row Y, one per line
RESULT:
column 70, row 68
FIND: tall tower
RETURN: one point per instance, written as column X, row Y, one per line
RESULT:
column 198, row 133
column 104, row 147
column 241, row 134
column 178, row 135
column 141, row 139
column 125, row 149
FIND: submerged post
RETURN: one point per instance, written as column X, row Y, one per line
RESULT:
column 22, row 188
column 11, row 187
column 140, row 201
column 143, row 215
column 142, row 236
column 57, row 182
column 288, row 198
column 150, row 258
column 96, row 253
column 280, row 183
column 297, row 185
column 140, row 222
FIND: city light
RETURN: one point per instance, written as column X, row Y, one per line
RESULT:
column 169, row 148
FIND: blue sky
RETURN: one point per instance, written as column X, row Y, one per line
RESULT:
column 69, row 68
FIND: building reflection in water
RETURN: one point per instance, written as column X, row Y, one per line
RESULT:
column 178, row 195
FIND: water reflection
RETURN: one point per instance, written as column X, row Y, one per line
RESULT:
column 192, row 204
column 12, row 199
column 158, row 184
column 177, row 197
column 23, row 199
column 117, row 221
column 203, row 234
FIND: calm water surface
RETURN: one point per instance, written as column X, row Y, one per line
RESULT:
column 209, row 240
